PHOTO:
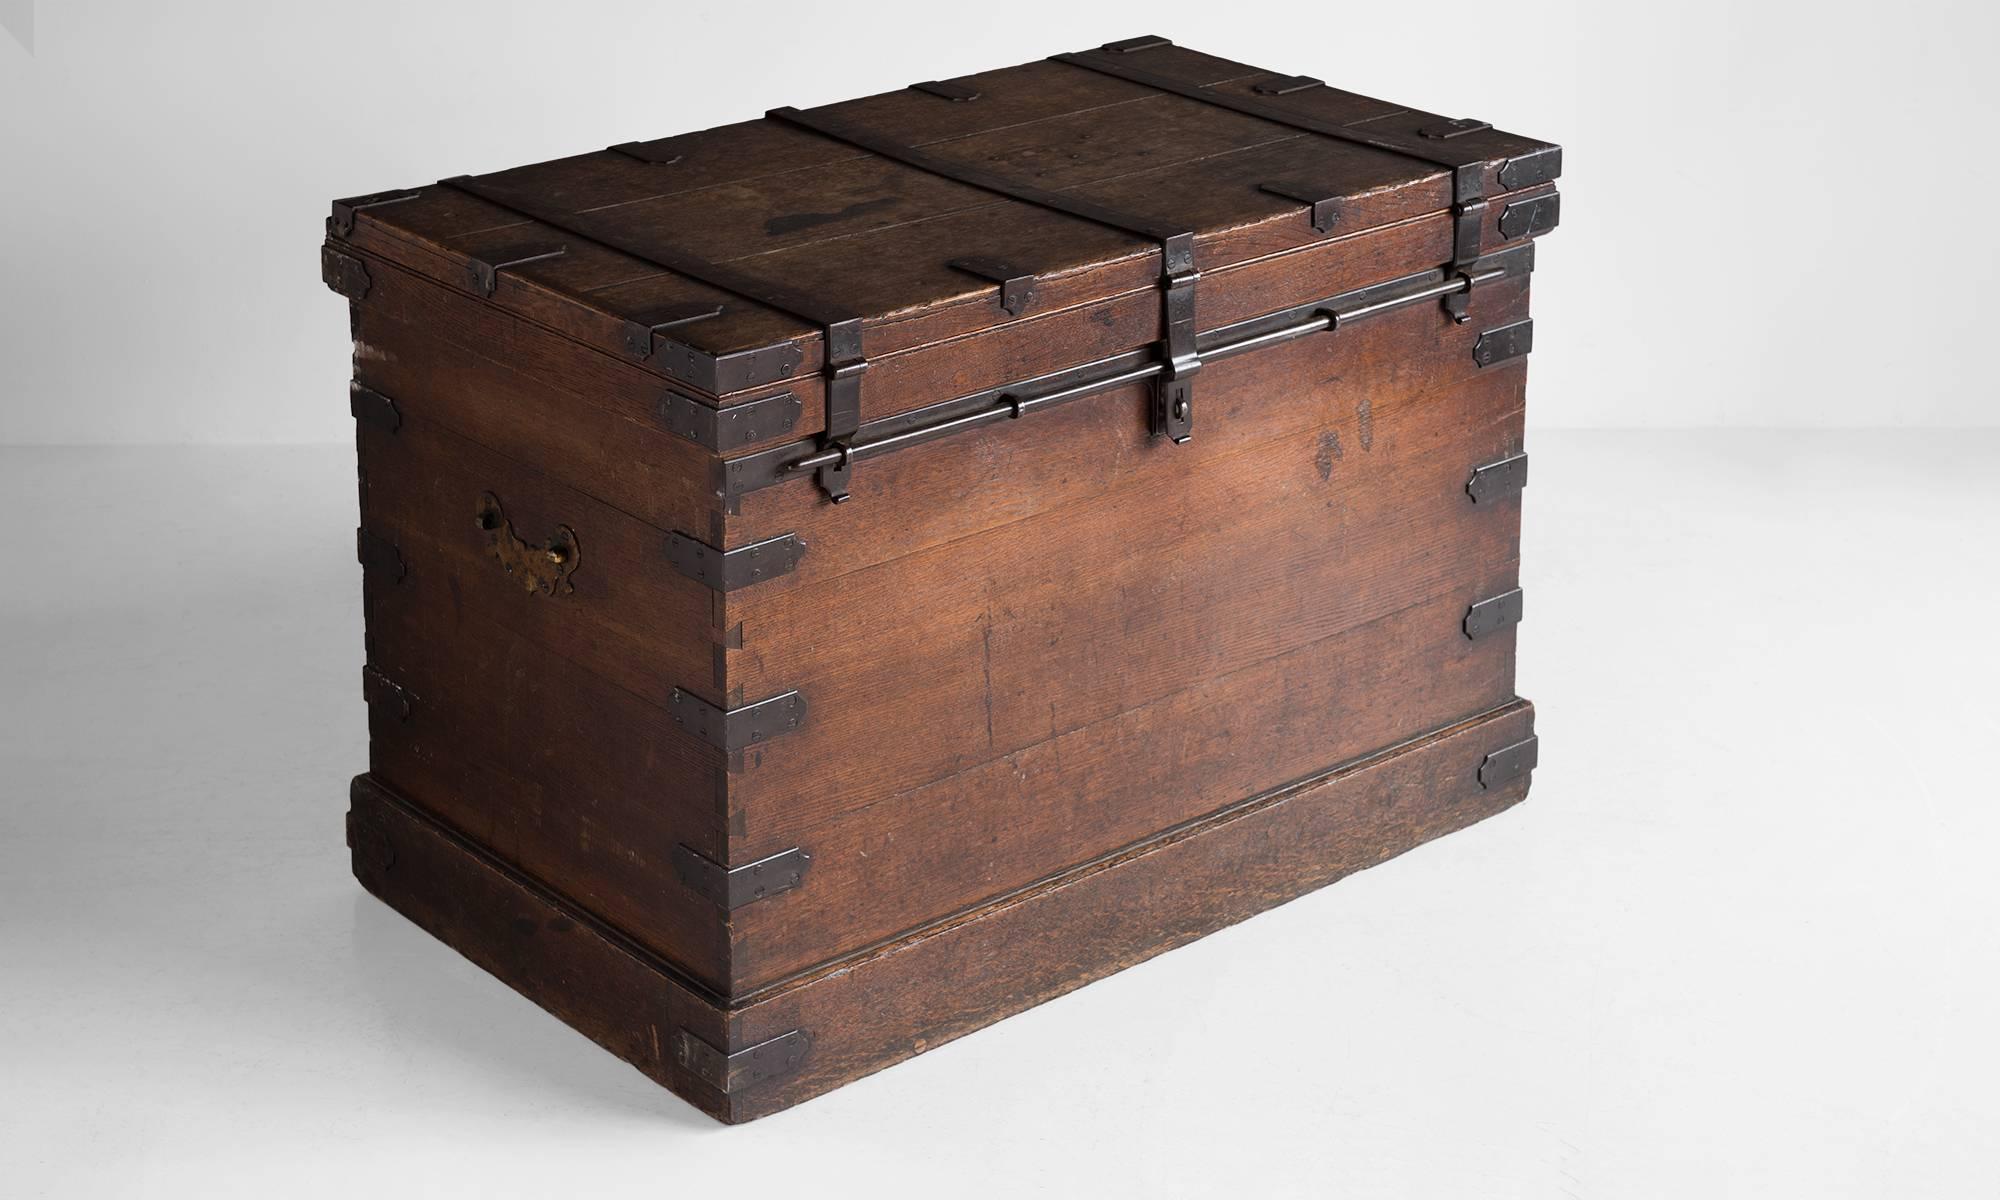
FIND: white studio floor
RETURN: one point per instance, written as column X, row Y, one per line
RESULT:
column 1743, row 940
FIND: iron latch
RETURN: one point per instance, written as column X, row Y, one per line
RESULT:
column 1173, row 393
column 844, row 366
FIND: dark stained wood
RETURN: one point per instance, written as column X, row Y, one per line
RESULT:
column 969, row 651
column 566, row 777
column 1067, row 694
column 869, row 1012
column 985, row 831
column 866, row 233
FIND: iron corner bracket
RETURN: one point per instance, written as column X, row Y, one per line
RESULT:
column 733, row 729
column 730, row 888
column 1509, row 763
column 731, row 1073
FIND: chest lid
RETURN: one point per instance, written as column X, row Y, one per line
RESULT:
column 921, row 251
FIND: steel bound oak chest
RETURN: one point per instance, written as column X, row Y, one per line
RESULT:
column 836, row 580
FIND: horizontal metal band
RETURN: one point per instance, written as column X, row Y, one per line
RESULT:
column 766, row 468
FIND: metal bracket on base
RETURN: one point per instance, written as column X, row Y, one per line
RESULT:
column 729, row 1073
column 1509, row 763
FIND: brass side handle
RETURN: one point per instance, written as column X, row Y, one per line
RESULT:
column 543, row 567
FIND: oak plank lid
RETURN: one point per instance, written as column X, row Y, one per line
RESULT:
column 1075, row 201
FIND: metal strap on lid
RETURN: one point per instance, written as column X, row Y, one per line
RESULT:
column 841, row 327
column 1173, row 411
column 1468, row 171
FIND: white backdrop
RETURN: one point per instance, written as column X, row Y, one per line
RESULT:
column 1775, row 215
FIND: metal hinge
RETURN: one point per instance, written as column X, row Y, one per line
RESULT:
column 1509, row 763
column 344, row 273
column 733, row 427
column 371, row 406
column 1173, row 391
column 1498, row 480
column 1508, row 341
column 377, row 688
column 378, row 554
column 1530, row 218
column 734, row 729
column 730, row 888
column 1500, row 612
column 728, row 1073
column 727, row 570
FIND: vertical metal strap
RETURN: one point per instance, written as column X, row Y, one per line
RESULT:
column 844, row 365
column 1173, row 395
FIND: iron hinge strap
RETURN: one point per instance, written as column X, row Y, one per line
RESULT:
column 1172, row 412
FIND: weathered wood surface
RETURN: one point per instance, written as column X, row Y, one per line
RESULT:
column 876, row 237
column 920, row 992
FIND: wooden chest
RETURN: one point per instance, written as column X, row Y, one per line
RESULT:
column 840, row 579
